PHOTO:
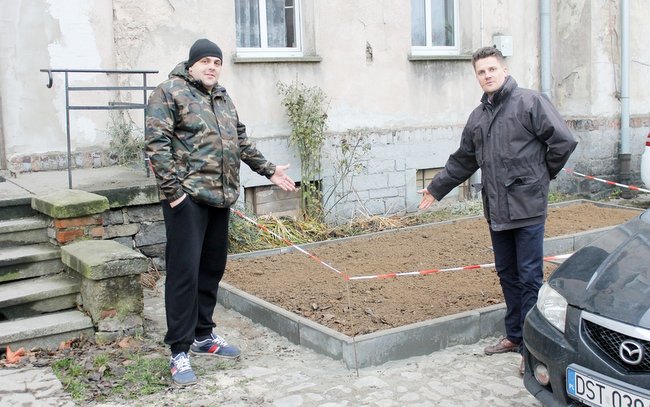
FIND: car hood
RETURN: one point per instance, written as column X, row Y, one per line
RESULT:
column 611, row 276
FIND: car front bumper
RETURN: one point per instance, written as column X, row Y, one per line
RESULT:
column 546, row 345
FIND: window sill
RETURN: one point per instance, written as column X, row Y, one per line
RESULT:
column 415, row 58
column 276, row 60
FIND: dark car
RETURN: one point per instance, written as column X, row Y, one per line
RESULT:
column 587, row 341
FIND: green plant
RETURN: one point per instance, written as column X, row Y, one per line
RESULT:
column 306, row 108
column 69, row 373
column 122, row 373
column 555, row 197
column 151, row 374
column 126, row 144
column 347, row 158
column 101, row 360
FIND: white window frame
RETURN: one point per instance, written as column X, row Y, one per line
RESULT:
column 264, row 51
column 429, row 49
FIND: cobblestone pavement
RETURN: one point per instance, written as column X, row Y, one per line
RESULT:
column 274, row 372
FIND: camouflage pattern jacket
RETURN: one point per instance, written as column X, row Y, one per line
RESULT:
column 195, row 141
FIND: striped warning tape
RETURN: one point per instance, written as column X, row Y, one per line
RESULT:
column 377, row 276
column 425, row 272
column 632, row 187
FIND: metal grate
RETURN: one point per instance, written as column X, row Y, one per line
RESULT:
column 609, row 341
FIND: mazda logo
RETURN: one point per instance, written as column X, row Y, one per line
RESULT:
column 631, row 352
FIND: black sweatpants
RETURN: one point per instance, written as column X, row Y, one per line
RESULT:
column 196, row 253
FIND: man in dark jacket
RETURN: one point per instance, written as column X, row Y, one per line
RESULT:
column 195, row 142
column 520, row 142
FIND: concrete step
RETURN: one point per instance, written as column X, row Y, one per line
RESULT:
column 16, row 206
column 20, row 262
column 22, row 231
column 45, row 331
column 39, row 295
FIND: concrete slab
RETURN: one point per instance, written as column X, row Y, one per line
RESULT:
column 23, row 231
column 121, row 185
column 86, row 179
column 45, row 331
column 21, row 262
column 69, row 203
column 101, row 259
column 35, row 289
column 28, row 253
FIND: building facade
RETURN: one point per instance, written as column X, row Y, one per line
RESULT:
column 397, row 74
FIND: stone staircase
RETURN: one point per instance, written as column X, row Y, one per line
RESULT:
column 38, row 297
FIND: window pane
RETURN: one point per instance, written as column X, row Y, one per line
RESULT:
column 290, row 18
column 280, row 23
column 418, row 23
column 442, row 23
column 248, row 23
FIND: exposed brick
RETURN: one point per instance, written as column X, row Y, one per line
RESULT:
column 75, row 222
column 97, row 232
column 68, row 235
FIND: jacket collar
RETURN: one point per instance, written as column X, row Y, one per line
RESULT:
column 180, row 71
column 500, row 95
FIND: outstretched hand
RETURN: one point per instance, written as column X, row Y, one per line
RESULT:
column 281, row 179
column 427, row 199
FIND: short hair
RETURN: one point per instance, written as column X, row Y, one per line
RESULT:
column 487, row 52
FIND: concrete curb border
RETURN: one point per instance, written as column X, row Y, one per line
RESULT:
column 392, row 344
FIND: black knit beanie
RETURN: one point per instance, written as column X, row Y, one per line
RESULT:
column 203, row 48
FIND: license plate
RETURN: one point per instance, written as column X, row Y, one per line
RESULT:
column 601, row 391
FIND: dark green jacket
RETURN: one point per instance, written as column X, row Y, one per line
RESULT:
column 195, row 141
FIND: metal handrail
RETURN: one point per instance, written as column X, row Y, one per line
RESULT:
column 109, row 106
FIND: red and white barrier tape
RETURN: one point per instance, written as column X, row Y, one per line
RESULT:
column 425, row 272
column 377, row 276
column 632, row 187
column 300, row 249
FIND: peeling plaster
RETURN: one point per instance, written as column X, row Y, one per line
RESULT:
column 77, row 40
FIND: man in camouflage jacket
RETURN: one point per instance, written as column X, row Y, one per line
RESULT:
column 195, row 143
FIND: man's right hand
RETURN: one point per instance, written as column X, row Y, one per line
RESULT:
column 177, row 201
column 427, row 199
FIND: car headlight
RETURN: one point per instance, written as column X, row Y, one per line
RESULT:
column 552, row 306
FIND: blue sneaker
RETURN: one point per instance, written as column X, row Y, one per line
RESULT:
column 215, row 345
column 182, row 373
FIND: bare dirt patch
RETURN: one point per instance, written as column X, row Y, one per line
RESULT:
column 297, row 283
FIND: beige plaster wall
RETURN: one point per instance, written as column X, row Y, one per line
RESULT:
column 386, row 92
column 41, row 34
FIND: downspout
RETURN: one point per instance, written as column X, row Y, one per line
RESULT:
column 625, row 152
column 545, row 46
column 475, row 179
column 482, row 27
column 3, row 151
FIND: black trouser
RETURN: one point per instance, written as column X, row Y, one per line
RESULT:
column 196, row 253
column 519, row 261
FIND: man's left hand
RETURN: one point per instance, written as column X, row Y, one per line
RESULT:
column 427, row 199
column 281, row 179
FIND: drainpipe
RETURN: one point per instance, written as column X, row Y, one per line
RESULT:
column 625, row 152
column 545, row 46
column 482, row 26
column 3, row 157
column 475, row 179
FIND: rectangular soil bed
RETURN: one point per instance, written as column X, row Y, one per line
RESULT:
column 369, row 321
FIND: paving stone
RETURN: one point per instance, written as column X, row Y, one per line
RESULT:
column 274, row 372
